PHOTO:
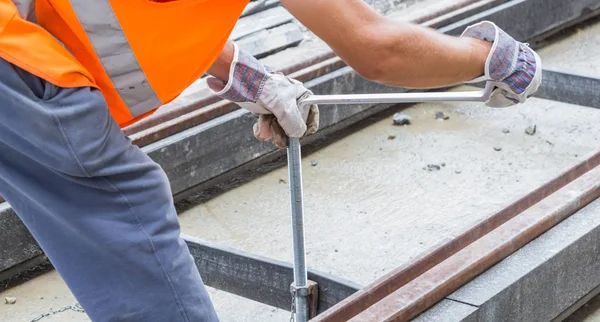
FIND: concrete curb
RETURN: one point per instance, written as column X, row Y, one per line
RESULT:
column 536, row 283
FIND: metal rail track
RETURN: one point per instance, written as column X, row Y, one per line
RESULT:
column 268, row 281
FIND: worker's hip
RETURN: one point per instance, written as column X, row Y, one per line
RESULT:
column 70, row 128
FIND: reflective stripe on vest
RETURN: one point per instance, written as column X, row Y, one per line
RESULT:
column 112, row 48
column 26, row 9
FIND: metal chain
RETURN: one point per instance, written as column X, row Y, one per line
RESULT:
column 75, row 307
column 293, row 310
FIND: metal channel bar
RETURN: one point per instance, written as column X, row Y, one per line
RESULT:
column 570, row 88
column 259, row 278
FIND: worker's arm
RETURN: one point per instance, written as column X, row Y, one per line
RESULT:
column 220, row 68
column 391, row 52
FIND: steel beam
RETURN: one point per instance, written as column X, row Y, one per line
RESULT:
column 261, row 279
column 567, row 88
column 531, row 20
column 570, row 88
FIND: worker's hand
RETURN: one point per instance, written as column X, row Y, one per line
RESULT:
column 273, row 97
column 514, row 68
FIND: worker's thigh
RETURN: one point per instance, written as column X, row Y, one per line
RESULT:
column 99, row 207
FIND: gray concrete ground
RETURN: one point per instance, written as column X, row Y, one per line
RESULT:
column 371, row 203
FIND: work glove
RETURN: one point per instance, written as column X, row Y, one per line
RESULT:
column 271, row 96
column 513, row 67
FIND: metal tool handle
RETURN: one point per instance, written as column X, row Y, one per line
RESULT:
column 470, row 96
column 300, row 271
column 300, row 286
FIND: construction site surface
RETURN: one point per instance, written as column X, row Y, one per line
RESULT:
column 380, row 197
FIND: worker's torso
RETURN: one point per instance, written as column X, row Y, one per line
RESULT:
column 140, row 53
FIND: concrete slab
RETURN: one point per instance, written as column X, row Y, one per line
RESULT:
column 576, row 52
column 447, row 311
column 15, row 234
column 49, row 292
column 542, row 279
column 371, row 206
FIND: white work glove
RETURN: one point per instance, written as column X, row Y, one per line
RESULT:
column 272, row 96
column 513, row 67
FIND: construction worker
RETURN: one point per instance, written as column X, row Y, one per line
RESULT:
column 73, row 73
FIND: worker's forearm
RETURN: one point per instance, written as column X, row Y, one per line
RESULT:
column 220, row 68
column 390, row 52
column 414, row 56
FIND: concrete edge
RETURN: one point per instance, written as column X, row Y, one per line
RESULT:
column 538, row 282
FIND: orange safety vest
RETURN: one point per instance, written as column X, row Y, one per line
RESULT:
column 140, row 53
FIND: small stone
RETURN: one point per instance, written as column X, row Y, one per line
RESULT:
column 433, row 167
column 282, row 181
column 458, row 172
column 235, row 211
column 10, row 300
column 401, row 119
column 441, row 116
column 336, row 250
column 314, row 163
column 391, row 137
column 505, row 131
column 530, row 130
column 443, row 164
column 497, row 148
column 549, row 142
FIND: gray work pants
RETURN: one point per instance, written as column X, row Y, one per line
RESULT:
column 99, row 207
